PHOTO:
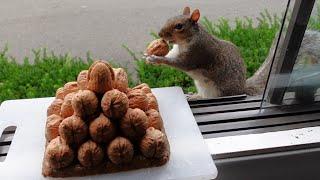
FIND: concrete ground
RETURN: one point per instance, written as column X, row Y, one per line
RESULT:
column 102, row 26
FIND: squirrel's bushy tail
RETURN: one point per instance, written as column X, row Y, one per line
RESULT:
column 309, row 48
column 255, row 84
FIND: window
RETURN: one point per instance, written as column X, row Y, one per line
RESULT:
column 295, row 76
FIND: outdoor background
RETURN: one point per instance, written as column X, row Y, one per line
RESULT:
column 46, row 43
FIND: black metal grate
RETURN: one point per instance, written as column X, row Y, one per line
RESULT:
column 234, row 116
column 5, row 141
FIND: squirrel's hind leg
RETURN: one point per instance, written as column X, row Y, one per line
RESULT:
column 193, row 96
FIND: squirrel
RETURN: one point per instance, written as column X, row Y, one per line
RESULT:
column 216, row 65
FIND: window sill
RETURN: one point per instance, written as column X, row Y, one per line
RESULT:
column 252, row 144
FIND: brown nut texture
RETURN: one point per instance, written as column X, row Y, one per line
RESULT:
column 120, row 151
column 82, row 79
column 85, row 104
column 70, row 87
column 100, row 77
column 90, row 154
column 52, row 126
column 144, row 88
column 134, row 124
column 154, row 119
column 73, row 130
column 66, row 107
column 120, row 80
column 102, row 130
column 138, row 99
column 153, row 144
column 114, row 104
column 152, row 102
column 158, row 47
column 58, row 154
column 60, row 93
column 55, row 107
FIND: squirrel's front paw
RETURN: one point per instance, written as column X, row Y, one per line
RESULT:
column 152, row 59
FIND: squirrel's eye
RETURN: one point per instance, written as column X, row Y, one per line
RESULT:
column 179, row 26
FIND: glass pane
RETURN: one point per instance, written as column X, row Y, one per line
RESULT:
column 301, row 85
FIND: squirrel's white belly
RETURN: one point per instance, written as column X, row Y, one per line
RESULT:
column 206, row 88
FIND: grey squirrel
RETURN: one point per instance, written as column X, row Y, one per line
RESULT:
column 215, row 65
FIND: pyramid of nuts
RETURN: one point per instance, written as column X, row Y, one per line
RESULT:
column 97, row 124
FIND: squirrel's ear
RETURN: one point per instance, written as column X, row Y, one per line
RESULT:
column 195, row 15
column 186, row 11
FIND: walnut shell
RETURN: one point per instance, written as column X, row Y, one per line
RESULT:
column 85, row 104
column 66, row 107
column 158, row 47
column 153, row 144
column 120, row 151
column 138, row 99
column 58, row 154
column 70, row 87
column 60, row 93
column 144, row 87
column 100, row 77
column 55, row 107
column 114, row 104
column 102, row 130
column 73, row 130
column 90, row 154
column 134, row 124
column 154, row 119
column 152, row 102
column 121, row 80
column 52, row 126
column 82, row 79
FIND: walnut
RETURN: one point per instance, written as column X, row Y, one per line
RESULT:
column 58, row 154
column 100, row 77
column 52, row 126
column 120, row 151
column 82, row 79
column 152, row 102
column 144, row 87
column 55, row 107
column 66, row 107
column 114, row 104
column 70, row 87
column 73, row 130
column 121, row 80
column 102, row 130
column 138, row 99
column 154, row 119
column 158, row 47
column 134, row 124
column 85, row 104
column 154, row 144
column 60, row 93
column 90, row 154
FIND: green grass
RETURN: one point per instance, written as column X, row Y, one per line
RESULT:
column 253, row 41
column 314, row 21
column 40, row 79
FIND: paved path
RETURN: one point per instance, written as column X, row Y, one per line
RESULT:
column 102, row 26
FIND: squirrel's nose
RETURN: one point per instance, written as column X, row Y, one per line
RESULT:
column 164, row 34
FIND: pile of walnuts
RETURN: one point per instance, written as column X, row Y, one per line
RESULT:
column 99, row 119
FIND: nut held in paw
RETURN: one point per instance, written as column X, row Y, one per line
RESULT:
column 158, row 47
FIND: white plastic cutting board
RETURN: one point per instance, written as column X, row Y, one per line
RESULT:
column 189, row 159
